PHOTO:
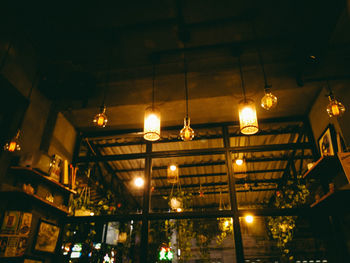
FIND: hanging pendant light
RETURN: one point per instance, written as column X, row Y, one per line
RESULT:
column 13, row 145
column 151, row 129
column 269, row 101
column 101, row 119
column 173, row 174
column 186, row 133
column 335, row 108
column 246, row 110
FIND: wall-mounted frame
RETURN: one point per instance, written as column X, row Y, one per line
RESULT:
column 327, row 142
column 47, row 237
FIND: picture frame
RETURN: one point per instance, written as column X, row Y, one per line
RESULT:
column 327, row 142
column 47, row 237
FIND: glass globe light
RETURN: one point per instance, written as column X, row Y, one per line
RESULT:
column 269, row 101
column 13, row 145
column 100, row 119
column 187, row 133
column 248, row 119
column 335, row 108
column 151, row 130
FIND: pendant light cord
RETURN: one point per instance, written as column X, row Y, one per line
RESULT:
column 242, row 80
column 261, row 61
column 153, row 80
column 329, row 89
column 186, row 88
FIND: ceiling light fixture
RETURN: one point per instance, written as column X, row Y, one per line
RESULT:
column 335, row 108
column 13, row 145
column 247, row 112
column 101, row 119
column 249, row 219
column 186, row 133
column 173, row 174
column 151, row 130
column 139, row 182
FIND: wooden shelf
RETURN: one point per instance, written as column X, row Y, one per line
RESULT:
column 35, row 198
column 41, row 176
column 326, row 164
column 333, row 200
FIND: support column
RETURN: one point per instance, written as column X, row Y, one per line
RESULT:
column 146, row 203
column 233, row 198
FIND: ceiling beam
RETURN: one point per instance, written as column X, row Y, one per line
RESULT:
column 215, row 163
column 223, row 192
column 197, row 152
column 219, row 174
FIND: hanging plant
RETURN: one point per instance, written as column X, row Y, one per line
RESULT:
column 292, row 195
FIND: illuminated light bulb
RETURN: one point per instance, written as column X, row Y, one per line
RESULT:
column 172, row 174
column 13, row 145
column 247, row 117
column 92, row 214
column 239, row 161
column 249, row 219
column 139, row 182
column 269, row 101
column 187, row 133
column 101, row 119
column 335, row 108
column 178, row 210
column 151, row 131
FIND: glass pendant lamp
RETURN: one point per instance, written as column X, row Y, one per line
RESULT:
column 186, row 133
column 151, row 129
column 335, row 108
column 101, row 119
column 248, row 120
column 13, row 145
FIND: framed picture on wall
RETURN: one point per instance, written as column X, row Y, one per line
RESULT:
column 47, row 237
column 327, row 142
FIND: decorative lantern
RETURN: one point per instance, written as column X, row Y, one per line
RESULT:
column 335, row 108
column 176, row 204
column 13, row 145
column 240, row 168
column 151, row 130
column 100, row 119
column 247, row 117
column 187, row 133
column 269, row 101
column 173, row 174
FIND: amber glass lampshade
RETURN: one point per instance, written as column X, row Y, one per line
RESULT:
column 187, row 133
column 13, row 145
column 173, row 174
column 100, row 119
column 247, row 117
column 151, row 130
column 335, row 108
column 269, row 101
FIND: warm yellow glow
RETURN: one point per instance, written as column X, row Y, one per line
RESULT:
column 92, row 214
column 335, row 108
column 269, row 101
column 179, row 210
column 249, row 219
column 151, row 124
column 100, row 119
column 139, row 182
column 247, row 117
column 187, row 133
column 12, row 146
column 175, row 203
column 172, row 174
column 239, row 161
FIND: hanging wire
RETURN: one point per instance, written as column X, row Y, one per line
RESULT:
column 186, row 88
column 242, row 80
column 153, row 80
column 329, row 88
column 260, row 59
